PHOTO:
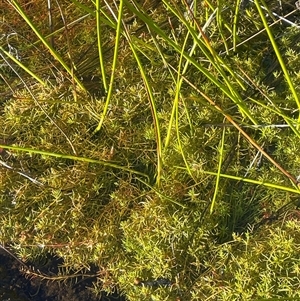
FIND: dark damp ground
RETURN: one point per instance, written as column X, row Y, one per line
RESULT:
column 16, row 285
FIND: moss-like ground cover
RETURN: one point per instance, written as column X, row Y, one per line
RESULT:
column 155, row 140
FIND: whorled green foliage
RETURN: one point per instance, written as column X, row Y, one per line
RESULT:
column 108, row 212
column 264, row 266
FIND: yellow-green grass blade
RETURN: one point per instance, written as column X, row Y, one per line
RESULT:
column 279, row 56
column 218, row 175
column 214, row 59
column 23, row 66
column 211, row 6
column 273, row 108
column 220, row 24
column 178, row 84
column 71, row 157
column 100, row 43
column 155, row 28
column 114, row 65
column 247, row 180
column 220, row 65
column 158, row 192
column 152, row 106
column 176, row 103
column 205, row 46
column 54, row 53
column 238, row 127
column 293, row 124
column 234, row 27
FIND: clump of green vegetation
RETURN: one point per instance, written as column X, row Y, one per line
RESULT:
column 155, row 140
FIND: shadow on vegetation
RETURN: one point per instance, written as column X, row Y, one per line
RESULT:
column 19, row 285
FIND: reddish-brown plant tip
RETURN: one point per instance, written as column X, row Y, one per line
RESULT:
column 137, row 281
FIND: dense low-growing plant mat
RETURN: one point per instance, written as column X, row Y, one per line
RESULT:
column 155, row 140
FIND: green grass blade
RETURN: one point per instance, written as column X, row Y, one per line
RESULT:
column 71, row 157
column 152, row 106
column 247, row 180
column 279, row 56
column 235, row 21
column 257, row 182
column 220, row 24
column 54, row 53
column 176, row 103
column 114, row 64
column 161, row 195
column 99, row 43
column 221, row 151
column 178, row 84
column 290, row 121
column 215, row 60
column 23, row 66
